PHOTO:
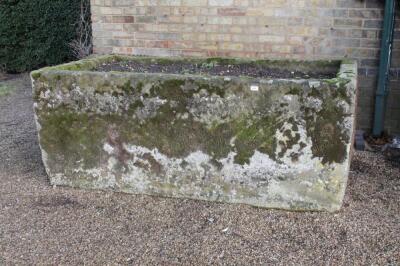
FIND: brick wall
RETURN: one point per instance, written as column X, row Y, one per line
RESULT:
column 302, row 29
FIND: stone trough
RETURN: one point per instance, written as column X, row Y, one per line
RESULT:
column 279, row 137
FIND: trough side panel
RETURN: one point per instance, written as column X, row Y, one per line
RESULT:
column 269, row 143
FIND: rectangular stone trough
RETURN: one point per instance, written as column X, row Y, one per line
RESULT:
column 274, row 134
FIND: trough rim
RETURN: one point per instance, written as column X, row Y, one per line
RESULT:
column 93, row 61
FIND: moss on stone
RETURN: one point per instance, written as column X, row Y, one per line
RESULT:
column 289, row 143
column 35, row 74
column 295, row 90
column 255, row 134
column 329, row 141
column 212, row 89
column 325, row 127
column 73, row 137
column 314, row 92
column 222, row 61
column 341, row 90
column 127, row 87
column 79, row 136
column 170, row 89
column 134, row 106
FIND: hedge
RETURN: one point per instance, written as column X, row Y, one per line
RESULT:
column 36, row 33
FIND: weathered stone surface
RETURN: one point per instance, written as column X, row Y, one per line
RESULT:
column 266, row 142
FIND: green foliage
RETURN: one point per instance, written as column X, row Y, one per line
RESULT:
column 36, row 33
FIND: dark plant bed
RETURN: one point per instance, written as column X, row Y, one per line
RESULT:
column 223, row 67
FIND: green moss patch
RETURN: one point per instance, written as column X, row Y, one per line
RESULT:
column 329, row 141
column 73, row 137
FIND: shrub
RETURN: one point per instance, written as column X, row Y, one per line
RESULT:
column 35, row 33
column 81, row 46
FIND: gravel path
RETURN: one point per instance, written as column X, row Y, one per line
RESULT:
column 40, row 224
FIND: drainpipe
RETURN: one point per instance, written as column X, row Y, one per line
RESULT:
column 384, row 67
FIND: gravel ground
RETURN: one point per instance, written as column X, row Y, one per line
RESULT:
column 40, row 224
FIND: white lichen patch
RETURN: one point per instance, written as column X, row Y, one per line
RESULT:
column 313, row 103
column 305, row 160
column 108, row 148
column 98, row 178
column 85, row 101
column 213, row 109
column 195, row 173
column 150, row 108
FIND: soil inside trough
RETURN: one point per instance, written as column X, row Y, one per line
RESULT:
column 243, row 69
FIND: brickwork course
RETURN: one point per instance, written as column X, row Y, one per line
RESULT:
column 289, row 29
